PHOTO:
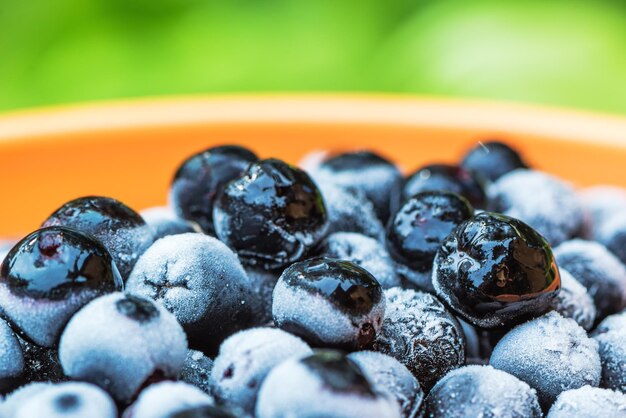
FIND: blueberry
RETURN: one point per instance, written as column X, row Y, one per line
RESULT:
column 368, row 173
column 546, row 203
column 446, row 177
column 574, row 302
column 164, row 399
column 164, row 222
column 598, row 270
column 48, row 276
column 122, row 230
column 388, row 375
column 244, row 361
column 612, row 234
column 11, row 360
column 416, row 231
column 364, row 251
column 199, row 280
column 495, row 271
column 271, row 216
column 16, row 399
column 200, row 179
column 600, row 203
column 120, row 347
column 611, row 337
column 67, row 400
column 589, row 402
column 551, row 353
column 329, row 303
column 207, row 411
column 326, row 384
column 481, row 391
column 197, row 370
column 419, row 332
column 613, row 322
column 492, row 160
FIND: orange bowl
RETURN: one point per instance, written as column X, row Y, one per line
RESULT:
column 130, row 150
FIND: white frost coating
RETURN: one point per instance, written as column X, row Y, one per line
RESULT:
column 613, row 358
column 16, row 399
column 118, row 353
column 387, row 374
column 544, row 202
column 365, row 252
column 164, row 399
column 68, row 400
column 574, row 302
column 246, row 358
column 292, row 390
column 164, row 221
column 589, row 402
column 319, row 317
column 197, row 370
column 42, row 320
column 482, row 391
column 601, row 203
column 11, row 357
column 551, row 353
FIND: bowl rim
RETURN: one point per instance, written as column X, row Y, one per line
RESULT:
column 324, row 109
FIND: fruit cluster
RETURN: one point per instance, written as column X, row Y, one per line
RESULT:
column 483, row 288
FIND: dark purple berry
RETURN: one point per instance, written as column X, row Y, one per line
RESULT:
column 492, row 160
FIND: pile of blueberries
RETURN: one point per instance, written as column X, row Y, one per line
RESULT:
column 344, row 289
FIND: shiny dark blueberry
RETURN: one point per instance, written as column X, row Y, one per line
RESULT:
column 338, row 372
column 492, row 160
column 367, row 172
column 201, row 177
column 452, row 178
column 416, row 231
column 122, row 230
column 136, row 308
column 271, row 216
column 495, row 271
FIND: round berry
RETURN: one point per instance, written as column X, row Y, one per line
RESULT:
column 164, row 399
column 164, row 222
column 48, row 276
column 589, row 402
column 11, row 360
column 326, row 384
column 122, row 230
column 481, row 391
column 244, row 361
column 420, row 333
column 120, row 342
column 546, row 203
column 612, row 323
column 574, row 302
column 197, row 370
column 200, row 179
column 492, row 160
column 551, row 353
column 612, row 234
column 16, row 399
column 201, row 281
column 329, row 303
column 495, row 271
column 611, row 337
column 271, row 216
column 365, row 252
column 387, row 374
column 600, row 203
column 446, row 177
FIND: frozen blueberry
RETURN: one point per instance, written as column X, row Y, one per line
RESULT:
column 495, row 271
column 16, row 399
column 197, row 370
column 546, row 203
column 271, row 216
column 206, row 411
column 445, row 177
column 416, row 231
column 41, row 363
column 611, row 337
column 48, row 276
column 613, row 322
column 263, row 283
column 481, row 391
column 326, row 384
column 419, row 332
column 598, row 270
column 589, row 402
column 365, row 252
column 600, row 203
column 387, row 374
column 120, row 342
column 492, row 160
column 329, row 303
column 11, row 358
column 368, row 173
column 201, row 178
column 201, row 281
column 246, row 358
column 551, row 353
column 67, row 400
column 612, row 234
column 349, row 210
column 164, row 222
column 574, row 302
column 122, row 230
column 164, row 399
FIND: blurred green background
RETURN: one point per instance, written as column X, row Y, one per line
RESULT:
column 561, row 52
